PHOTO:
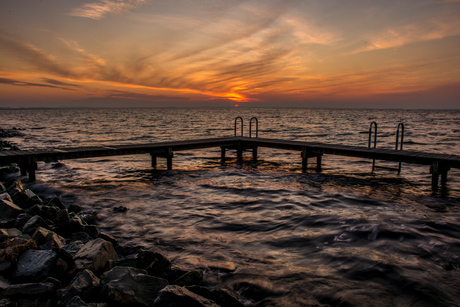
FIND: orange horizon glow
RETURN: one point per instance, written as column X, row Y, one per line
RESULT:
column 253, row 52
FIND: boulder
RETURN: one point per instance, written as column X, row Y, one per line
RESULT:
column 46, row 212
column 131, row 286
column 6, row 196
column 73, row 247
column 62, row 218
column 26, row 199
column 154, row 263
column 176, row 296
column 9, row 209
column 91, row 230
column 35, row 265
column 97, row 255
column 76, row 224
column 74, row 208
column 191, row 278
column 56, row 202
column 109, row 238
column 9, row 233
column 33, row 223
column 28, row 289
column 2, row 188
column 7, row 222
column 42, row 236
column 12, row 248
column 76, row 301
column 85, row 285
column 21, row 220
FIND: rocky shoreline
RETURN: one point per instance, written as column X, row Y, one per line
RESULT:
column 54, row 255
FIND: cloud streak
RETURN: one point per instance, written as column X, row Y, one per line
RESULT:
column 101, row 9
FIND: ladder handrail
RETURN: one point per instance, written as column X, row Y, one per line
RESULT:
column 257, row 126
column 236, row 119
column 397, row 137
column 375, row 135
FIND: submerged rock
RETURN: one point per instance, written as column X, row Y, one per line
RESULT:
column 130, row 286
column 176, row 296
column 154, row 263
column 97, row 255
column 191, row 278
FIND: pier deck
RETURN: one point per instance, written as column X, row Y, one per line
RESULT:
column 439, row 164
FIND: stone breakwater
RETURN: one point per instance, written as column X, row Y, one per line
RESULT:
column 54, row 255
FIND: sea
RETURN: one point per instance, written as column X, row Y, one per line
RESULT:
column 277, row 236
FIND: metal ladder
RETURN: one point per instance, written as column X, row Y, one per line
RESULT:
column 397, row 143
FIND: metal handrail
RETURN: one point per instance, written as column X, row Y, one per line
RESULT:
column 400, row 125
column 375, row 140
column 257, row 126
column 236, row 120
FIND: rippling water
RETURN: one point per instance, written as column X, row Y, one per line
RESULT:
column 280, row 237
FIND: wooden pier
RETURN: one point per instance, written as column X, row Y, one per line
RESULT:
column 27, row 159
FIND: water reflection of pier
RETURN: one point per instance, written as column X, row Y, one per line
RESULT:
column 439, row 164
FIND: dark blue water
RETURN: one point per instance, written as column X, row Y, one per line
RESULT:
column 341, row 237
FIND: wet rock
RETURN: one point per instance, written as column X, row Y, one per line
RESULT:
column 42, row 236
column 154, row 263
column 13, row 248
column 33, row 223
column 109, row 238
column 130, row 286
column 73, row 247
column 9, row 233
column 254, row 292
column 26, row 199
column 191, row 278
column 120, row 209
column 6, row 196
column 5, row 302
column 5, row 268
column 88, row 218
column 4, row 283
column 46, row 212
column 7, row 222
column 76, row 224
column 81, row 236
column 74, row 208
column 97, row 255
column 21, row 220
column 62, row 219
column 174, row 273
column 76, row 301
column 85, row 285
column 175, row 296
column 28, row 289
column 56, row 202
column 222, row 297
column 35, row 265
column 9, row 209
column 91, row 230
column 2, row 189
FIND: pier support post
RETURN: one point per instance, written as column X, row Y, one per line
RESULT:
column 31, row 167
column 304, row 156
column 435, row 170
column 319, row 159
column 169, row 157
column 254, row 153
column 239, row 154
column 222, row 153
column 23, row 169
column 154, row 160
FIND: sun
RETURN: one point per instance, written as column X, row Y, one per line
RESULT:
column 236, row 106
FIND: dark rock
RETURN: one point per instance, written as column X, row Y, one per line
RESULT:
column 120, row 209
column 131, row 286
column 56, row 202
column 76, row 224
column 81, row 236
column 92, row 230
column 88, row 218
column 26, row 199
column 254, row 292
column 63, row 218
column 2, row 189
column 109, row 238
column 76, row 301
column 21, row 220
column 97, row 255
column 73, row 247
column 6, row 196
column 5, row 268
column 33, row 223
column 191, row 278
column 176, row 296
column 85, row 285
column 7, row 222
column 9, row 233
column 46, row 212
column 5, row 302
column 28, row 289
column 4, row 283
column 13, row 248
column 174, row 273
column 42, row 236
column 35, row 265
column 13, row 183
column 56, row 282
column 74, row 208
column 154, row 263
column 8, row 209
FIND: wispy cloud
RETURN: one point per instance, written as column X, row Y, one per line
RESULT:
column 98, row 10
column 33, row 84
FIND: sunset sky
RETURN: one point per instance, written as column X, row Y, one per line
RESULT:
column 267, row 53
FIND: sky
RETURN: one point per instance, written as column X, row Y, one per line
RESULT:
column 219, row 53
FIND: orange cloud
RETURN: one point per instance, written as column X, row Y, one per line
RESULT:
column 102, row 8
